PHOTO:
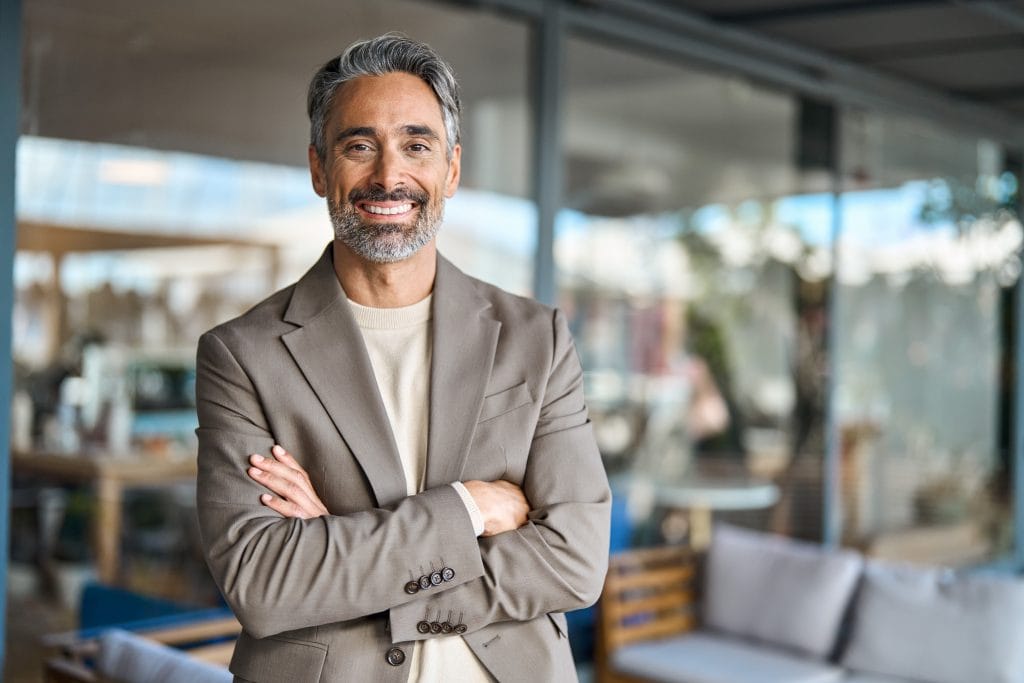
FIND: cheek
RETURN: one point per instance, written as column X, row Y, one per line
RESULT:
column 344, row 177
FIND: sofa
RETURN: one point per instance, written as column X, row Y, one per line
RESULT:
column 774, row 610
column 184, row 648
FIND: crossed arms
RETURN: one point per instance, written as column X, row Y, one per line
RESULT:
column 287, row 563
column 501, row 504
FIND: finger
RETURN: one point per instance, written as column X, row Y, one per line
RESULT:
column 293, row 485
column 287, row 459
column 276, row 468
column 286, row 487
column 283, row 507
column 295, row 473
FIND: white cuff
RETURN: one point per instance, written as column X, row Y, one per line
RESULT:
column 471, row 508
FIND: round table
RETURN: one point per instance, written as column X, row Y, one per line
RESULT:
column 700, row 496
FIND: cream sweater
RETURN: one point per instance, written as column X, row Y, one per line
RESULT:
column 399, row 345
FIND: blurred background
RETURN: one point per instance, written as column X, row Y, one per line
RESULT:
column 786, row 234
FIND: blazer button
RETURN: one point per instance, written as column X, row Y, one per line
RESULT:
column 412, row 588
column 446, row 627
column 461, row 628
column 425, row 582
column 447, row 574
column 423, row 627
column 435, row 579
column 435, row 627
column 395, row 656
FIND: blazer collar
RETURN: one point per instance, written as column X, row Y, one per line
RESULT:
column 329, row 349
column 465, row 337
column 315, row 291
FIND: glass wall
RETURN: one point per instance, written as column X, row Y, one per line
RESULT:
column 229, row 164
column 162, row 189
column 929, row 251
column 716, row 236
column 691, row 256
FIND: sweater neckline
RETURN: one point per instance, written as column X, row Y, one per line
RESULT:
column 368, row 317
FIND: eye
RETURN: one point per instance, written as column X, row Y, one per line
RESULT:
column 418, row 147
column 358, row 148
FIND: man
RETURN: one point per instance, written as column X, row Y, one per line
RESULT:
column 397, row 477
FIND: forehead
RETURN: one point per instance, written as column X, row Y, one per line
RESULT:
column 386, row 102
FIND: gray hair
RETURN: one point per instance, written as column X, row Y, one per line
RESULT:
column 389, row 53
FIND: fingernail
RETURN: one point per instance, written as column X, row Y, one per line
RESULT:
column 255, row 472
column 277, row 450
column 256, row 457
column 265, row 497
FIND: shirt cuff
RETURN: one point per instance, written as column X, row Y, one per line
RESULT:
column 471, row 508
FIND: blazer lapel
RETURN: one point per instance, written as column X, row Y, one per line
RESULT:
column 464, row 341
column 328, row 348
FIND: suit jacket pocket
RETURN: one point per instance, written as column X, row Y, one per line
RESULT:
column 505, row 401
column 278, row 658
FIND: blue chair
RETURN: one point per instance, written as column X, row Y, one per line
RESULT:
column 582, row 622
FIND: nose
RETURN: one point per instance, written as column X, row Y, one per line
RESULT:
column 388, row 170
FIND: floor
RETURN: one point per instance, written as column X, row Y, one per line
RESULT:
column 29, row 617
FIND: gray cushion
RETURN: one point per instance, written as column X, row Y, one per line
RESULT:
column 934, row 626
column 127, row 658
column 777, row 590
column 703, row 657
column 863, row 677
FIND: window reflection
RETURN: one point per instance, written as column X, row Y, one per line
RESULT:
column 174, row 196
column 929, row 247
column 691, row 257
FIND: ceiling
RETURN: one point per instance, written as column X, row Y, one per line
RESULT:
column 201, row 76
column 970, row 49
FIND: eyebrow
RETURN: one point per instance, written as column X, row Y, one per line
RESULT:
column 421, row 131
column 357, row 131
column 416, row 130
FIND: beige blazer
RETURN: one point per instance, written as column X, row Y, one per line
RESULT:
column 337, row 598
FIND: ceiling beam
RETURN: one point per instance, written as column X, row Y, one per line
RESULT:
column 1003, row 12
column 789, row 12
column 1000, row 93
column 890, row 52
column 782, row 63
column 694, row 38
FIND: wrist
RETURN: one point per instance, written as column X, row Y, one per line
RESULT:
column 475, row 516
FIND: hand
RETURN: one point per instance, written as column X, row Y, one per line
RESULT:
column 285, row 477
column 503, row 505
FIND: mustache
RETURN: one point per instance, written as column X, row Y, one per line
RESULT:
column 378, row 195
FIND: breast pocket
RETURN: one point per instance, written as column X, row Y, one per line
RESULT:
column 505, row 401
column 501, row 440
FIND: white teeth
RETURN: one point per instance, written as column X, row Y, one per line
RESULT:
column 387, row 211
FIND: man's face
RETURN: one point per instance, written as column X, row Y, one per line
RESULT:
column 386, row 172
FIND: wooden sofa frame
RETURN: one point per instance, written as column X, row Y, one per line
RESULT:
column 648, row 593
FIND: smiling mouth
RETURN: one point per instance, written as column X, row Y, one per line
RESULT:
column 392, row 210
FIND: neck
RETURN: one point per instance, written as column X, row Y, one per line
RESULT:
column 385, row 285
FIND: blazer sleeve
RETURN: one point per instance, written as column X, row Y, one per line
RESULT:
column 557, row 561
column 280, row 574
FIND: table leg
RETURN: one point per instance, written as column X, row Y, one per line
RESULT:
column 107, row 533
column 51, row 504
column 700, row 527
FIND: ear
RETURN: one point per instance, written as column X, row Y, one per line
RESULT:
column 454, row 171
column 316, row 172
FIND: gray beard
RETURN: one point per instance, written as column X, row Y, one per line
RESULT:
column 384, row 242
